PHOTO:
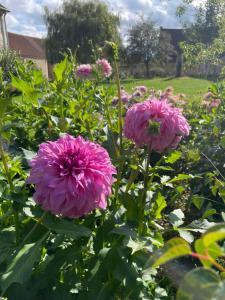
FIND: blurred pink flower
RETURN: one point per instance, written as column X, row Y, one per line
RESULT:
column 125, row 98
column 208, row 96
column 156, row 124
column 106, row 67
column 84, row 71
column 137, row 93
column 72, row 176
column 215, row 103
column 143, row 89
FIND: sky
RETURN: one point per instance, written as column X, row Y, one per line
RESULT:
column 26, row 16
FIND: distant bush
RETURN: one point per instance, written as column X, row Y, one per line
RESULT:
column 8, row 63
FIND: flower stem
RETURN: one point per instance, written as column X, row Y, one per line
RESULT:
column 62, row 118
column 143, row 195
column 5, row 165
column 120, row 119
column 9, row 179
column 207, row 257
column 39, row 221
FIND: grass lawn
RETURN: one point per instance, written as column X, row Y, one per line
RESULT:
column 191, row 87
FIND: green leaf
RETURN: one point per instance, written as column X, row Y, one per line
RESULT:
column 222, row 141
column 181, row 177
column 29, row 155
column 173, row 157
column 59, row 69
column 176, row 217
column 220, row 292
column 4, row 104
column 159, row 205
column 199, row 284
column 66, row 227
column 214, row 234
column 21, row 266
column 213, row 250
column 174, row 248
column 186, row 235
column 197, row 201
column 209, row 212
column 22, row 85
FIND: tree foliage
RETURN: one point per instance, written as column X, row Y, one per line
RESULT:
column 205, row 37
column 79, row 26
column 146, row 44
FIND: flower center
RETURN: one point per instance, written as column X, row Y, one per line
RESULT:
column 71, row 165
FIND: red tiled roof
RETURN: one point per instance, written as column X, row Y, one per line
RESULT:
column 27, row 46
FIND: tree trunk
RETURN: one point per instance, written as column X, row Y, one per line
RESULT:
column 179, row 65
column 147, row 69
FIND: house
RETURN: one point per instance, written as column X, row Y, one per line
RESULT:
column 29, row 48
column 3, row 31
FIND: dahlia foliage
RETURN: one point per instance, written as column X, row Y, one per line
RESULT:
column 93, row 217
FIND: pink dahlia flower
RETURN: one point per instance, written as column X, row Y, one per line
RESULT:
column 143, row 89
column 215, row 103
column 72, row 176
column 106, row 67
column 156, row 124
column 84, row 71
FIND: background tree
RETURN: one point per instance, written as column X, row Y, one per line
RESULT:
column 75, row 24
column 204, row 43
column 146, row 44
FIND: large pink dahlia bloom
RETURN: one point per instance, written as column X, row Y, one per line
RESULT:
column 84, row 71
column 106, row 67
column 156, row 124
column 72, row 176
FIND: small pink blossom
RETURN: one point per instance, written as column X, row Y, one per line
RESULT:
column 143, row 89
column 155, row 124
column 137, row 93
column 84, row 71
column 215, row 103
column 106, row 67
column 125, row 98
column 72, row 176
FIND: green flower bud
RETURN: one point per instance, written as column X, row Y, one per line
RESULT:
column 154, row 127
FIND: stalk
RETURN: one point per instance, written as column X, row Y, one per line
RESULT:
column 39, row 221
column 9, row 180
column 143, row 195
column 120, row 117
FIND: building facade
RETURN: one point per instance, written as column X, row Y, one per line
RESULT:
column 30, row 48
column 3, row 31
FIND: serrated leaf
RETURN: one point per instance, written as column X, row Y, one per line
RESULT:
column 159, row 205
column 173, row 157
column 174, row 248
column 22, row 85
column 59, row 69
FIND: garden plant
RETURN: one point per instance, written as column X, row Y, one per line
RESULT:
column 109, row 194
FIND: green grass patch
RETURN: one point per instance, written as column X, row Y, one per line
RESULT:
column 191, row 87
